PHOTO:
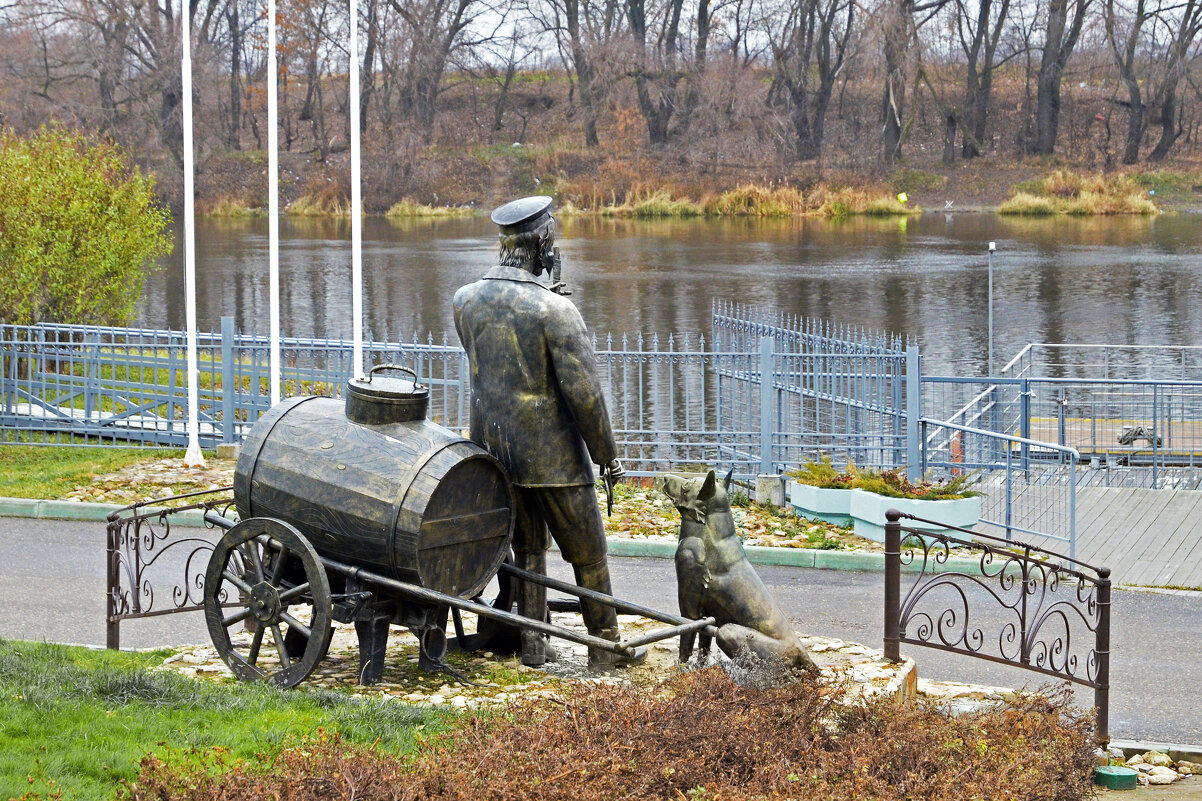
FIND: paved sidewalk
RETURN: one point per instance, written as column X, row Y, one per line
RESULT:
column 1138, row 552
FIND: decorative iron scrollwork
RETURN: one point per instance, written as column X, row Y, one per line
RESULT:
column 1003, row 601
column 148, row 559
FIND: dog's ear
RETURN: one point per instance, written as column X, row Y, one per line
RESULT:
column 726, row 481
column 709, row 487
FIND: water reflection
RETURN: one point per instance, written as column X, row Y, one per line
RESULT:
column 1112, row 280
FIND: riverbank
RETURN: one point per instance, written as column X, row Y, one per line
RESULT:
column 676, row 190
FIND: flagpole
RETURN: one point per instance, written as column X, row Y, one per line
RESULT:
column 193, row 456
column 356, row 201
column 273, row 208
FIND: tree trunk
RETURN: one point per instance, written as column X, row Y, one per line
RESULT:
column 893, row 103
column 585, row 76
column 1135, row 124
column 1058, row 47
column 950, row 127
column 367, row 76
column 233, row 131
column 1169, row 128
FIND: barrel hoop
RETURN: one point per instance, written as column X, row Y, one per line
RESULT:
column 415, row 470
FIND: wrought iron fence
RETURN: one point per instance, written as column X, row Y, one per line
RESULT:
column 151, row 570
column 675, row 401
column 1001, row 601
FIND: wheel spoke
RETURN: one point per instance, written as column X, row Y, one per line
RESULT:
column 256, row 561
column 256, row 643
column 285, row 660
column 280, row 559
column 295, row 592
column 236, row 580
column 293, row 623
column 237, row 617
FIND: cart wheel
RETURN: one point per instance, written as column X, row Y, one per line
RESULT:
column 265, row 574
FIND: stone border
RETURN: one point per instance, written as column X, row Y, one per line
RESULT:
column 82, row 510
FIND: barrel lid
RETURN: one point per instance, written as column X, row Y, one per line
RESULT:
column 386, row 388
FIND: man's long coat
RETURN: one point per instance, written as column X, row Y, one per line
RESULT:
column 536, row 401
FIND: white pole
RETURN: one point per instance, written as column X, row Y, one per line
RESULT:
column 992, row 247
column 273, row 209
column 192, row 457
column 356, row 202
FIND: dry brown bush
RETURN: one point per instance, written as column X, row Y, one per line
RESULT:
column 699, row 736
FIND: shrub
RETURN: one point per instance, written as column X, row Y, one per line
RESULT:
column 756, row 201
column 659, row 203
column 905, row 179
column 890, row 483
column 700, row 736
column 1024, row 203
column 78, row 226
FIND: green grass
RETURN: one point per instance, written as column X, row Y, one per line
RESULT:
column 82, row 719
column 905, row 179
column 35, row 471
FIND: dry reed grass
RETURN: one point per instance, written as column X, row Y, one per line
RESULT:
column 1067, row 192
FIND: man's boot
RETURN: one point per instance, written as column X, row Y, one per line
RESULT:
column 532, row 603
column 600, row 619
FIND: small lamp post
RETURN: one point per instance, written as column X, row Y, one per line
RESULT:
column 992, row 248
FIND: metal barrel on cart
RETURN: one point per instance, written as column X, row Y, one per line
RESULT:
column 372, row 483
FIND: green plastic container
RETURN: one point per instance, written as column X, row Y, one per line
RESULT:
column 1116, row 777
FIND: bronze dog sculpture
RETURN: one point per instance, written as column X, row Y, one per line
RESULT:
column 714, row 579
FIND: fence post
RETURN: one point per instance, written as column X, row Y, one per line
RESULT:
column 1024, row 422
column 228, row 388
column 913, row 414
column 112, row 635
column 767, row 383
column 1156, row 455
column 1101, row 693
column 892, row 585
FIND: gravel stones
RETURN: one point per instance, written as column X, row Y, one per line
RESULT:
column 497, row 681
column 1158, row 768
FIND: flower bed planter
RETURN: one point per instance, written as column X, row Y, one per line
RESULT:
column 818, row 503
column 868, row 509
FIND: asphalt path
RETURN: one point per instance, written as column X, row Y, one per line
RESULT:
column 52, row 588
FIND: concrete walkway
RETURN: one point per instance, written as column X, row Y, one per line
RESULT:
column 1148, row 538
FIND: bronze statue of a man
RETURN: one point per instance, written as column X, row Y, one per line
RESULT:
column 537, row 406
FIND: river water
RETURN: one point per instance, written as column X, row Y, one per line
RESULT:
column 1087, row 280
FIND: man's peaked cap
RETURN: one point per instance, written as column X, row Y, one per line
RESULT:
column 522, row 215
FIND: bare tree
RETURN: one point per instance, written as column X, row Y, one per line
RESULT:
column 659, row 65
column 432, row 31
column 1152, row 42
column 810, row 44
column 1065, row 20
column 979, row 34
column 900, row 21
column 585, row 32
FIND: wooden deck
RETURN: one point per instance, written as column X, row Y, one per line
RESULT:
column 1146, row 537
column 1181, row 440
